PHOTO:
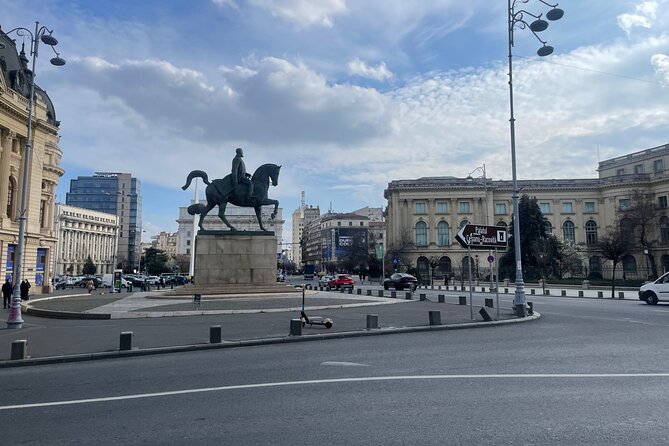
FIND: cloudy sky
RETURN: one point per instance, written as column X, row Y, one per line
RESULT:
column 346, row 94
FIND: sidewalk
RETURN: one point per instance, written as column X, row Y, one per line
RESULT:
column 243, row 320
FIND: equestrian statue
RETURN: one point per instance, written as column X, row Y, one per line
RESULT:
column 238, row 188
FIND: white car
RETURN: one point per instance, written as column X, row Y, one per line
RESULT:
column 655, row 292
column 323, row 281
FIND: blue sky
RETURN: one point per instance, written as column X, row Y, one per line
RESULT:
column 346, row 95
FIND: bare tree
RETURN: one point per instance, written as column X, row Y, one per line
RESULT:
column 613, row 246
column 401, row 247
column 643, row 213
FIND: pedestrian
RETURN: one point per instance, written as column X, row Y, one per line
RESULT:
column 7, row 290
column 162, row 283
column 25, row 290
column 90, row 285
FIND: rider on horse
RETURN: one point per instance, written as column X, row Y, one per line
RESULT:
column 239, row 174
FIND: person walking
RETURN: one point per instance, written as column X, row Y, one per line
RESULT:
column 7, row 290
column 90, row 285
column 25, row 289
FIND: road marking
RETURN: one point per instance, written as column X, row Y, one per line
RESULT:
column 337, row 381
column 343, row 363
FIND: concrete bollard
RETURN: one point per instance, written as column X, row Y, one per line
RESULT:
column 19, row 349
column 600, row 294
column 372, row 321
column 442, row 298
column 125, row 341
column 530, row 310
column 422, row 297
column 215, row 334
column 369, row 292
column 350, row 291
column 580, row 294
column 563, row 293
column 532, row 290
column 547, row 292
column 506, row 291
column 407, row 296
column 484, row 314
column 488, row 303
column 621, row 295
column 393, row 294
column 296, row 327
column 380, row 293
column 434, row 317
column 462, row 300
column 359, row 291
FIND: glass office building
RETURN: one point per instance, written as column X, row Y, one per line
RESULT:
column 118, row 194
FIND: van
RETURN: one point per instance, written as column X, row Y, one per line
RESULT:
column 107, row 281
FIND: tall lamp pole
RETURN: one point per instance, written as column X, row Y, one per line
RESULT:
column 487, row 211
column 516, row 18
column 15, row 320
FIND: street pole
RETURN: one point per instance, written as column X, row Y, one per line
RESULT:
column 191, row 269
column 15, row 320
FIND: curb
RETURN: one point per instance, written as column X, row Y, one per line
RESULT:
column 256, row 342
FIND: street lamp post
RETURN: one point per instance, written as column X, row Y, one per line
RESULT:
column 487, row 211
column 516, row 18
column 15, row 320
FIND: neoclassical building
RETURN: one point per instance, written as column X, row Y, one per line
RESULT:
column 83, row 233
column 428, row 212
column 43, row 171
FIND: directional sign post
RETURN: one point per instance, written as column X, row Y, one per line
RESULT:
column 482, row 237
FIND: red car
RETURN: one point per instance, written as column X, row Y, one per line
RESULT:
column 341, row 281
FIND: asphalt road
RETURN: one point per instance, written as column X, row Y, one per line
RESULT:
column 590, row 372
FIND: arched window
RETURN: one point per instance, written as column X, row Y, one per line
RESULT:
column 568, row 232
column 590, row 233
column 629, row 266
column 11, row 196
column 465, row 267
column 423, row 266
column 665, row 263
column 421, row 233
column 442, row 234
column 627, row 229
column 549, row 227
column 462, row 224
column 444, row 267
column 664, row 230
column 501, row 223
column 595, row 265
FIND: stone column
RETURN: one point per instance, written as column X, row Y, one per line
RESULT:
column 6, row 141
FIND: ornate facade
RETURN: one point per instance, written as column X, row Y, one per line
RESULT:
column 428, row 212
column 43, row 172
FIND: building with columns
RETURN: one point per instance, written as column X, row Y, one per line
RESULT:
column 83, row 233
column 166, row 242
column 424, row 214
column 43, row 172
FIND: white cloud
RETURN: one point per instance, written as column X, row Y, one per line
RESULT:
column 360, row 68
column 646, row 13
column 661, row 64
column 304, row 13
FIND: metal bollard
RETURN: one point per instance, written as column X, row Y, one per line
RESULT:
column 125, row 341
column 350, row 291
column 434, row 317
column 393, row 294
column 369, row 292
column 359, row 291
column 372, row 321
column 488, row 303
column 380, row 293
column 530, row 310
column 462, row 300
column 296, row 327
column 442, row 298
column 407, row 296
column 580, row 294
column 621, row 295
column 215, row 334
column 484, row 314
column 19, row 349
column 563, row 293
column 600, row 294
column 422, row 297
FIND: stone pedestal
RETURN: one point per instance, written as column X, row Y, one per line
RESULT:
column 235, row 258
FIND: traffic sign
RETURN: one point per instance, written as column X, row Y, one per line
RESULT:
column 482, row 237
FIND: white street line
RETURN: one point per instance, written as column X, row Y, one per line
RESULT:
column 338, row 380
column 344, row 363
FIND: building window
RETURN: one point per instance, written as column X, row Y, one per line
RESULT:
column 338, row 223
column 590, row 233
column 11, row 193
column 420, row 208
column 187, row 250
column 567, row 207
column 187, row 242
column 638, row 168
column 620, row 172
column 187, row 233
column 502, row 223
column 442, row 207
column 500, row 208
column 658, row 166
column 423, row 267
column 595, row 263
column 624, row 204
column 545, row 208
column 42, row 207
column 462, row 224
column 421, row 233
column 442, row 233
column 662, row 201
column 627, row 229
column 464, row 207
column 548, row 226
column 629, row 266
column 664, row 230
column 568, row 232
column 589, row 206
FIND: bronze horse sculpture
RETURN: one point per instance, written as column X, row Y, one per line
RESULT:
column 222, row 191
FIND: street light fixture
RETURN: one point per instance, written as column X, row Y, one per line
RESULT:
column 516, row 18
column 15, row 320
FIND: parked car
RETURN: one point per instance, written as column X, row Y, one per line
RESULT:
column 341, row 281
column 83, row 283
column 655, row 292
column 324, row 280
column 399, row 281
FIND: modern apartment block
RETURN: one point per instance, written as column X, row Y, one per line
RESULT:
column 429, row 211
column 301, row 217
column 329, row 238
column 118, row 194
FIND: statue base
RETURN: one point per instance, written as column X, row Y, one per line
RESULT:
column 235, row 258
